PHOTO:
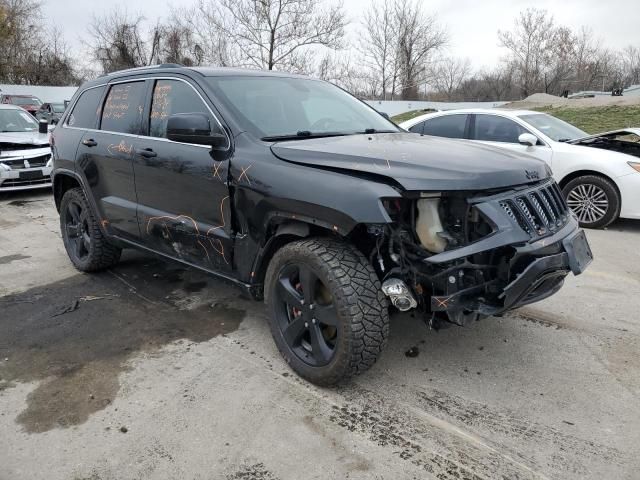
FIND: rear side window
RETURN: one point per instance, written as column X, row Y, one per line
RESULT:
column 122, row 111
column 417, row 128
column 492, row 128
column 170, row 97
column 86, row 110
column 450, row 126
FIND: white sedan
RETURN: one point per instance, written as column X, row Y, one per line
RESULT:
column 599, row 174
column 25, row 155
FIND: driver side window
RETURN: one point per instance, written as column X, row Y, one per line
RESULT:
column 171, row 97
column 493, row 128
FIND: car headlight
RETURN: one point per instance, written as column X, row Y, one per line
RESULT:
column 635, row 166
column 4, row 167
column 50, row 162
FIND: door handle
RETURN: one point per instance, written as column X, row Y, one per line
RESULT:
column 146, row 152
column 89, row 142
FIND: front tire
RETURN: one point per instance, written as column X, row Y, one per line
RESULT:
column 595, row 200
column 328, row 315
column 86, row 246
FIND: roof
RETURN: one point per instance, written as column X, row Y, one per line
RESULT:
column 500, row 111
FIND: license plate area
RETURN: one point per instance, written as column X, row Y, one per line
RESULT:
column 31, row 175
column 580, row 255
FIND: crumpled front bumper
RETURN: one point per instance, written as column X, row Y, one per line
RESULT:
column 545, row 244
column 550, row 260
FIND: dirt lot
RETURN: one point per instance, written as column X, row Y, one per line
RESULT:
column 150, row 371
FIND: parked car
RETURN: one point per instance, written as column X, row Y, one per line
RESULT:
column 28, row 102
column 51, row 112
column 25, row 155
column 599, row 184
column 303, row 195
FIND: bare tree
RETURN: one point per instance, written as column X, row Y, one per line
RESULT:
column 419, row 36
column 378, row 45
column 630, row 65
column 274, row 34
column 117, row 41
column 530, row 44
column 448, row 74
column 18, row 20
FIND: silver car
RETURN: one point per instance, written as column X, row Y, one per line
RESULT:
column 25, row 155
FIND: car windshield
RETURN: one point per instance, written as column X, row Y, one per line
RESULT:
column 16, row 121
column 25, row 101
column 58, row 107
column 271, row 107
column 552, row 127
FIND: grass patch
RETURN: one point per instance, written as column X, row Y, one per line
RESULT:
column 403, row 117
column 598, row 119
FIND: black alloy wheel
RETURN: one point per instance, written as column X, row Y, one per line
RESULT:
column 327, row 313
column 76, row 229
column 88, row 249
column 307, row 316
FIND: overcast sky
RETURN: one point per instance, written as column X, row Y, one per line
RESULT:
column 472, row 25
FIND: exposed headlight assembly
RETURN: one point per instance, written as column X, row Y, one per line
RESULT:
column 399, row 294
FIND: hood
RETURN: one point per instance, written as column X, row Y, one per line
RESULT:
column 611, row 134
column 23, row 138
column 418, row 162
column 624, row 141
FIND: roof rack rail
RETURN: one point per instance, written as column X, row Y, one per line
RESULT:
column 162, row 65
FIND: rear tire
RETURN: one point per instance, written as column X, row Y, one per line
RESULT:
column 594, row 199
column 86, row 246
column 327, row 313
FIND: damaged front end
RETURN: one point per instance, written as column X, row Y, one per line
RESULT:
column 458, row 256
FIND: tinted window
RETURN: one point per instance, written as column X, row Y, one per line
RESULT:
column 173, row 96
column 492, row 128
column 417, row 128
column 86, row 109
column 450, row 126
column 122, row 111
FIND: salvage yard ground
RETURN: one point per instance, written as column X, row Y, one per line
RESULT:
column 151, row 371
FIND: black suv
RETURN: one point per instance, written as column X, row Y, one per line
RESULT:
column 302, row 195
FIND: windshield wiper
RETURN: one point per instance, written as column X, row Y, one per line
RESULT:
column 301, row 135
column 368, row 131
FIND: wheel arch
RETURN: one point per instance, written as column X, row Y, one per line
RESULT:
column 283, row 233
column 581, row 173
column 62, row 182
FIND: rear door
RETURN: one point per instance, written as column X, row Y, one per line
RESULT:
column 503, row 132
column 183, row 195
column 449, row 126
column 105, row 157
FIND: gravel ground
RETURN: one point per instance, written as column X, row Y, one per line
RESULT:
column 150, row 371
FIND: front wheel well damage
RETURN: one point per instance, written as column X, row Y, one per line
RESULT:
column 283, row 234
column 61, row 184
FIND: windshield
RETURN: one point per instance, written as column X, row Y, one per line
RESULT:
column 552, row 127
column 58, row 107
column 16, row 121
column 296, row 107
column 25, row 101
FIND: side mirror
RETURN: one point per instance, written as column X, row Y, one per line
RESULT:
column 43, row 126
column 385, row 115
column 528, row 139
column 193, row 128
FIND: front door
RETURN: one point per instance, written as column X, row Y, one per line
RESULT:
column 183, row 199
column 504, row 132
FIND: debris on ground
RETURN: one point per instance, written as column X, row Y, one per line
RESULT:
column 412, row 352
column 67, row 309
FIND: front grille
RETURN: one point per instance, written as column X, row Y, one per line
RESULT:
column 4, row 146
column 18, row 163
column 15, row 182
column 538, row 211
